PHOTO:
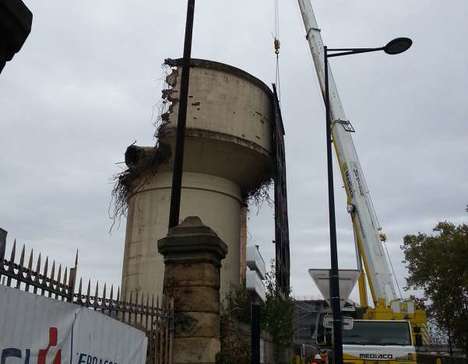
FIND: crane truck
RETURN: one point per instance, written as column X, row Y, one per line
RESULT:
column 390, row 329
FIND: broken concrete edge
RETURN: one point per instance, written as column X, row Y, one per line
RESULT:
column 256, row 195
column 140, row 161
column 140, row 158
column 170, row 98
column 144, row 161
column 204, row 63
column 192, row 241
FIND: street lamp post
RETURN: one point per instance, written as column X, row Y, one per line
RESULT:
column 396, row 46
column 178, row 165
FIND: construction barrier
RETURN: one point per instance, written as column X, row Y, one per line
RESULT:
column 39, row 330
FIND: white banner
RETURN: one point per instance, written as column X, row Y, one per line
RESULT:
column 39, row 330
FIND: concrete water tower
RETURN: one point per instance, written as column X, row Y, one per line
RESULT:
column 228, row 156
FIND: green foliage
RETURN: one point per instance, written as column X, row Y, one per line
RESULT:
column 438, row 264
column 236, row 305
column 278, row 313
column 235, row 342
column 277, row 317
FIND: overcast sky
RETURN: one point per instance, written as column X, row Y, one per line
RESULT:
column 88, row 79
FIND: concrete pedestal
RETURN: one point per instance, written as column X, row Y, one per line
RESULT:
column 192, row 258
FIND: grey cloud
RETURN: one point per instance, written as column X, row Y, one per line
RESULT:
column 88, row 78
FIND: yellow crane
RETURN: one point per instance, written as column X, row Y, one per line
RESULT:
column 390, row 313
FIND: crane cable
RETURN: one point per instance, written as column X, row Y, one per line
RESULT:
column 277, row 46
column 393, row 269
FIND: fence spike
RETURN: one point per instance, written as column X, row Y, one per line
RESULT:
column 59, row 275
column 147, row 311
column 31, row 258
column 118, row 294
column 3, row 236
column 10, row 266
column 137, row 308
column 20, row 268
column 72, row 280
column 50, row 286
column 36, row 273
column 46, row 266
column 104, row 292
column 38, row 265
column 23, row 251
column 29, row 269
column 76, row 259
column 80, row 286
column 96, row 291
column 65, row 276
column 52, row 272
column 13, row 252
column 88, row 293
column 140, row 308
column 130, row 308
column 112, row 303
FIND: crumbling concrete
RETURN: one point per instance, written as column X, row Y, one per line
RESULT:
column 228, row 157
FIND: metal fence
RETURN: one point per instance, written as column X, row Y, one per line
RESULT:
column 43, row 277
column 144, row 312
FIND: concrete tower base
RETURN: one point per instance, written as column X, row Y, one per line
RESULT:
column 227, row 157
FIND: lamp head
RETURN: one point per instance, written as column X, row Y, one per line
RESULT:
column 398, row 45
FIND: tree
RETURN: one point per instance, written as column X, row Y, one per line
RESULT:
column 278, row 316
column 277, row 319
column 438, row 264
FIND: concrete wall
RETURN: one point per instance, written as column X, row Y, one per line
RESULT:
column 227, row 155
column 226, row 101
column 148, row 218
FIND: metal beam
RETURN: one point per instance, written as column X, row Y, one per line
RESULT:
column 182, row 120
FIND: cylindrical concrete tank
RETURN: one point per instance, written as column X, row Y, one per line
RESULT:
column 227, row 157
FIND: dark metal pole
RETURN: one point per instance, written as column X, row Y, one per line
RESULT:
column 182, row 119
column 3, row 235
column 334, row 278
column 255, row 334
